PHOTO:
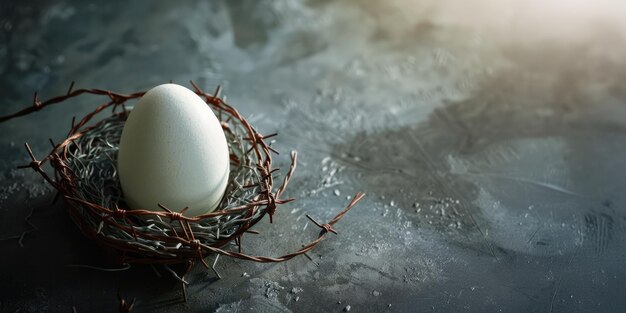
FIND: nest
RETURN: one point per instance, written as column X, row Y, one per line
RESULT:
column 85, row 176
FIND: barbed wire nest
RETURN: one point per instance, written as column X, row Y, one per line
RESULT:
column 85, row 176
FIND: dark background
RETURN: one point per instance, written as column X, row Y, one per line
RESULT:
column 489, row 135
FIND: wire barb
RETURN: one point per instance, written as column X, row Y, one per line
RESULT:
column 324, row 227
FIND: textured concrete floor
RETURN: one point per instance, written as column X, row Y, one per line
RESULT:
column 490, row 138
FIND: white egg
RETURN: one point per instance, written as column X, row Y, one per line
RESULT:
column 173, row 151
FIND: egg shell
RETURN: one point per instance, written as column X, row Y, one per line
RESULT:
column 173, row 151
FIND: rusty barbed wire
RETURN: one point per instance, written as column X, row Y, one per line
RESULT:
column 86, row 177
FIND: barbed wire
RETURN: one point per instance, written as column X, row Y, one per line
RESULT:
column 85, row 175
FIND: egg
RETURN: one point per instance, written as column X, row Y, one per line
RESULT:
column 173, row 151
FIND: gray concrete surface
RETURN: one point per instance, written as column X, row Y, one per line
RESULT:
column 490, row 137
